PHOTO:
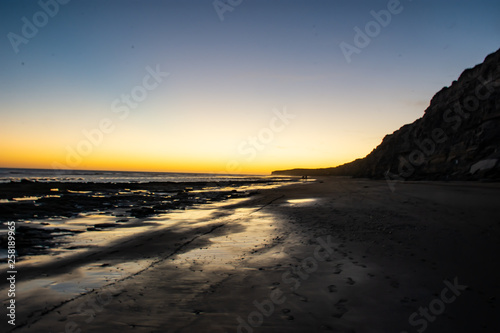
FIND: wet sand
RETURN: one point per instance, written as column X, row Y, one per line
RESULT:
column 338, row 255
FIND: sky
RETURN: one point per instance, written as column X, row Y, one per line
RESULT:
column 240, row 86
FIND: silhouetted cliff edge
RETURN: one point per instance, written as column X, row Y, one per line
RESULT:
column 457, row 138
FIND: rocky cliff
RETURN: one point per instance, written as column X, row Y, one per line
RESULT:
column 458, row 137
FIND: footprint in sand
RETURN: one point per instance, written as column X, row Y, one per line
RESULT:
column 326, row 327
column 340, row 308
column 395, row 284
column 350, row 281
column 332, row 288
column 301, row 297
column 286, row 314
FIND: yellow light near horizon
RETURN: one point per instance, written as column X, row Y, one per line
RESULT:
column 28, row 155
column 22, row 158
column 202, row 146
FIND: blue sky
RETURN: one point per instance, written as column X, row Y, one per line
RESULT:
column 226, row 78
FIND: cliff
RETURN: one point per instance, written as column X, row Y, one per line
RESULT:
column 457, row 138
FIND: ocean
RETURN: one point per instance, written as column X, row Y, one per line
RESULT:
column 96, row 176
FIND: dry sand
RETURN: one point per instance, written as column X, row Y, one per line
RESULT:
column 338, row 255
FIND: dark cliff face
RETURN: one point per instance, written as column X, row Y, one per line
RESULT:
column 457, row 138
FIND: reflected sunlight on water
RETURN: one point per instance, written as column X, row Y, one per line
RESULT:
column 301, row 201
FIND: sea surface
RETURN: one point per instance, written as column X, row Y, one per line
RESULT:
column 83, row 176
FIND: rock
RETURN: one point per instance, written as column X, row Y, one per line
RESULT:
column 105, row 225
column 457, row 138
column 483, row 165
column 142, row 212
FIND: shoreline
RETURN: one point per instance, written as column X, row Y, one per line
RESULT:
column 244, row 264
column 43, row 210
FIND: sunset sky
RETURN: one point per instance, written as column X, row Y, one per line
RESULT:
column 251, row 87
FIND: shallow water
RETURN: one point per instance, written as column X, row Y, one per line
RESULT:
column 82, row 176
column 220, row 253
column 301, row 201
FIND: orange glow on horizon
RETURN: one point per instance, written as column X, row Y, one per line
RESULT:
column 193, row 146
column 48, row 161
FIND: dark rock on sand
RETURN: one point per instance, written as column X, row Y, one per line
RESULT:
column 32, row 240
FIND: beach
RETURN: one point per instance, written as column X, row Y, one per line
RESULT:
column 326, row 255
column 234, row 166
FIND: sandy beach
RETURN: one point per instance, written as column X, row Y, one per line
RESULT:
column 233, row 166
column 332, row 255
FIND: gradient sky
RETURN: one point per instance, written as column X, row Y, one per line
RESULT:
column 227, row 79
